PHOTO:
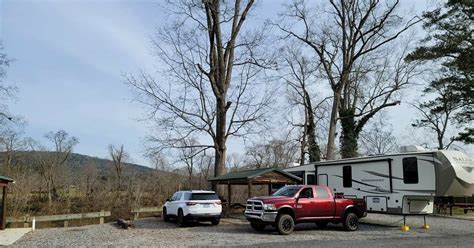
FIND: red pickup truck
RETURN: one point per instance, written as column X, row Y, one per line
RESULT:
column 304, row 203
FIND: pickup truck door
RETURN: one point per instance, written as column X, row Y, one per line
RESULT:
column 324, row 205
column 304, row 203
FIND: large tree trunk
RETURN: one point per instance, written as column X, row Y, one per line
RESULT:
column 313, row 147
column 220, row 141
column 331, row 146
column 349, row 135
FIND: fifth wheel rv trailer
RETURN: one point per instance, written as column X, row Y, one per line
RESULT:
column 404, row 183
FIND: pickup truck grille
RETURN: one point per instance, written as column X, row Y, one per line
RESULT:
column 254, row 205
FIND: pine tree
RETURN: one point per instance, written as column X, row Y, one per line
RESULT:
column 450, row 42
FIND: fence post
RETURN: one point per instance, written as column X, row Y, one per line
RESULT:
column 101, row 220
column 66, row 223
column 136, row 214
column 25, row 223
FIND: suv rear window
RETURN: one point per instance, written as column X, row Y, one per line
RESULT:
column 204, row 196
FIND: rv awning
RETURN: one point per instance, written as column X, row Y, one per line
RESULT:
column 257, row 176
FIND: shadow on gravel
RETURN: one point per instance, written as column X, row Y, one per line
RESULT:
column 232, row 228
column 301, row 228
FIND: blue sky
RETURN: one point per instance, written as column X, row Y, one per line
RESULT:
column 69, row 57
column 68, row 60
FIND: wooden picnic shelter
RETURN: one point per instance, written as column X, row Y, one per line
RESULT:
column 4, row 181
column 264, row 176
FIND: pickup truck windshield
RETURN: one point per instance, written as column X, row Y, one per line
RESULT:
column 287, row 191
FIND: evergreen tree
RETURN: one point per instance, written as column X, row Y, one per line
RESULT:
column 450, row 43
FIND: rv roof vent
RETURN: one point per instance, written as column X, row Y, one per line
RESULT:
column 412, row 149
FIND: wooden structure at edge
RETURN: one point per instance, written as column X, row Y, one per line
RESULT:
column 265, row 176
column 4, row 181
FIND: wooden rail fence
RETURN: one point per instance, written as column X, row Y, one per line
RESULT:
column 136, row 211
column 26, row 220
column 60, row 217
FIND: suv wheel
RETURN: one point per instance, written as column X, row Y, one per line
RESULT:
column 216, row 221
column 258, row 227
column 322, row 224
column 351, row 222
column 180, row 218
column 166, row 218
column 285, row 224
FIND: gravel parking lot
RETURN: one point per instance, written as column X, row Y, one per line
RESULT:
column 378, row 230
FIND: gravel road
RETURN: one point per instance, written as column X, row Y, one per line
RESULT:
column 378, row 230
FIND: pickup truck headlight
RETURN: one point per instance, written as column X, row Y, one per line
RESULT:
column 269, row 207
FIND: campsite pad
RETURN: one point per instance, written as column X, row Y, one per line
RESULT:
column 11, row 235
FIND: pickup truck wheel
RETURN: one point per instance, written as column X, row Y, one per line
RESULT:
column 285, row 224
column 351, row 222
column 166, row 218
column 322, row 224
column 258, row 227
column 180, row 219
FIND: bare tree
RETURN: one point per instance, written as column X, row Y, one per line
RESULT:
column 300, row 77
column 347, row 32
column 437, row 115
column 11, row 145
column 374, row 86
column 214, row 66
column 7, row 92
column 278, row 153
column 49, row 161
column 118, row 156
column 205, row 167
column 189, row 156
column 378, row 138
column 90, row 174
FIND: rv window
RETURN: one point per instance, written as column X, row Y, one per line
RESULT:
column 347, row 176
column 310, row 179
column 410, row 170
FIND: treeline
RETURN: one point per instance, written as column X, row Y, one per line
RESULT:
column 58, row 181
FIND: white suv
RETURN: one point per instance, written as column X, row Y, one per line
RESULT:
column 194, row 205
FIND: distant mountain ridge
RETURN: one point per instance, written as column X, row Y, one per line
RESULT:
column 78, row 162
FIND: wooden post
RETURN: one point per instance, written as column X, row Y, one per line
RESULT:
column 4, row 209
column 270, row 188
column 66, row 223
column 250, row 188
column 135, row 216
column 27, row 218
column 229, row 198
column 101, row 220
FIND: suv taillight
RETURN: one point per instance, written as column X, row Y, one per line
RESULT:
column 191, row 203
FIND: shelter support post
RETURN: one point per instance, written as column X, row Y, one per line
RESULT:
column 249, row 188
column 4, row 209
column 229, row 198
column 270, row 188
